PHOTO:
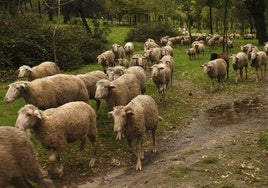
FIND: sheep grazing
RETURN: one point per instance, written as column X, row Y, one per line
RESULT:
column 240, row 62
column 153, row 55
column 114, row 72
column 199, row 47
column 44, row 69
column 139, row 60
column 129, row 49
column 106, row 59
column 168, row 59
column 223, row 56
column 119, row 91
column 90, row 79
column 191, row 53
column 18, row 160
column 133, row 120
column 248, row 48
column 48, row 92
column 259, row 62
column 215, row 69
column 56, row 127
column 161, row 75
column 150, row 43
column 123, row 62
column 167, row 50
column 119, row 51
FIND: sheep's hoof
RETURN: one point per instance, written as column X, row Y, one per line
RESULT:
column 138, row 166
column 59, row 170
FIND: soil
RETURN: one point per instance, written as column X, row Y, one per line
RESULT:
column 217, row 146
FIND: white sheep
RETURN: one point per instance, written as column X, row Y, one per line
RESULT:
column 129, row 49
column 123, row 62
column 215, row 69
column 153, row 55
column 106, row 59
column 168, row 59
column 119, row 91
column 139, row 60
column 118, row 50
column 259, row 62
column 90, row 79
column 56, row 127
column 240, row 62
column 18, row 160
column 167, row 50
column 191, row 53
column 161, row 75
column 115, row 72
column 133, row 120
column 150, row 43
column 48, row 92
column 199, row 47
column 44, row 69
column 265, row 48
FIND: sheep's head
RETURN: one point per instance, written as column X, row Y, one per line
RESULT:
column 27, row 117
column 24, row 71
column 14, row 91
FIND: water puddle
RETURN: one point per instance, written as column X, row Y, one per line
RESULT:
column 235, row 112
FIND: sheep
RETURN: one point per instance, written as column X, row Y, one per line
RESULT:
column 54, row 128
column 115, row 72
column 230, row 45
column 215, row 69
column 199, row 47
column 223, row 56
column 150, row 43
column 248, row 48
column 106, row 59
column 133, row 120
column 44, row 69
column 191, row 53
column 118, row 50
column 90, row 79
column 129, row 49
column 265, row 48
column 259, row 61
column 167, row 50
column 18, row 160
column 139, row 60
column 119, row 91
column 48, row 92
column 153, row 55
column 123, row 62
column 168, row 59
column 161, row 76
column 240, row 62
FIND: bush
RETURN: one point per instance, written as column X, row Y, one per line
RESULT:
column 28, row 40
column 150, row 31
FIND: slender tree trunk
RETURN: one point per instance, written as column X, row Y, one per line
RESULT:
column 225, row 27
column 257, row 9
column 82, row 15
column 210, row 20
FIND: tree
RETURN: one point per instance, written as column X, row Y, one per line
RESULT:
column 257, row 9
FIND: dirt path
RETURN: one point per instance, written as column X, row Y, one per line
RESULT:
column 216, row 147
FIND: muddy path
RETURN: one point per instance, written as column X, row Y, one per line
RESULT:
column 218, row 146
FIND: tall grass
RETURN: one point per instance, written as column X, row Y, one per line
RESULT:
column 178, row 106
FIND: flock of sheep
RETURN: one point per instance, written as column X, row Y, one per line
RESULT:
column 57, row 109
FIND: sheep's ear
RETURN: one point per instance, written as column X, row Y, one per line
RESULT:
column 129, row 111
column 111, row 86
column 7, row 87
column 110, row 114
column 37, row 114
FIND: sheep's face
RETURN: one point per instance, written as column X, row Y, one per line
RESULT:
column 120, row 119
column 27, row 117
column 102, row 89
column 101, row 59
column 14, row 91
column 115, row 47
column 24, row 71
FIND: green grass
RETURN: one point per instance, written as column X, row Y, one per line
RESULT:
column 178, row 107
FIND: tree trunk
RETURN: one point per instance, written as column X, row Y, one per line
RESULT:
column 257, row 8
column 210, row 20
column 82, row 15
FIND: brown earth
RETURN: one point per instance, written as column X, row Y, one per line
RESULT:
column 217, row 146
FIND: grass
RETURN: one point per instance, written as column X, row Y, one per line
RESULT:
column 174, row 111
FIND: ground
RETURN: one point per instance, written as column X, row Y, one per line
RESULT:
column 217, row 146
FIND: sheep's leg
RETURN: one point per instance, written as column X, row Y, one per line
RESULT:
column 82, row 144
column 212, row 85
column 236, row 75
column 95, row 145
column 98, row 102
column 154, row 145
column 246, row 71
column 56, row 156
column 21, row 182
column 139, row 152
column 130, row 148
column 241, row 73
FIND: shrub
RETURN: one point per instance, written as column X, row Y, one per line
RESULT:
column 150, row 31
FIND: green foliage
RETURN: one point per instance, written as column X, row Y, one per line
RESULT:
column 263, row 140
column 28, row 40
column 150, row 31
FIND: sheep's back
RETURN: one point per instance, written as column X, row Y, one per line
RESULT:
column 55, row 90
